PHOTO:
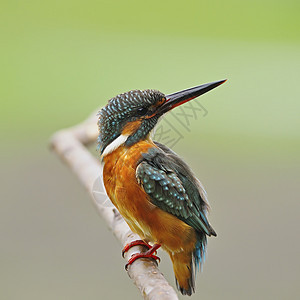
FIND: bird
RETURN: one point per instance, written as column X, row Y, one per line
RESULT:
column 153, row 189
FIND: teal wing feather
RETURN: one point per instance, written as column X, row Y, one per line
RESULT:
column 172, row 187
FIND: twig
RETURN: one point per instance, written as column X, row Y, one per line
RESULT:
column 69, row 145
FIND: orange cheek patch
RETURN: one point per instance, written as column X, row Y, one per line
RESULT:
column 155, row 107
column 162, row 101
column 131, row 127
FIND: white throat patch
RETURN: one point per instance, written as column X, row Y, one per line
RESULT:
column 115, row 144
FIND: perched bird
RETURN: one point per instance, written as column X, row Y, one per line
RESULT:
column 152, row 187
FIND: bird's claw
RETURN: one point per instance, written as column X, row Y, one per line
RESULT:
column 135, row 243
column 136, row 256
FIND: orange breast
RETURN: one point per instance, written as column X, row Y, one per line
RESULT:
column 148, row 221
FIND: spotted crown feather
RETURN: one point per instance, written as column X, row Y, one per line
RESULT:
column 122, row 109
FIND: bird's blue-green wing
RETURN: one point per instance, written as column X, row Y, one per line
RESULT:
column 172, row 187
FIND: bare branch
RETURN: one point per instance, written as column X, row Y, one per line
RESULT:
column 69, row 145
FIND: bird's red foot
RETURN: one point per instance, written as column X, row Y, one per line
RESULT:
column 147, row 254
column 135, row 243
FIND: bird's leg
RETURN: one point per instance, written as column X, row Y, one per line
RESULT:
column 135, row 243
column 147, row 254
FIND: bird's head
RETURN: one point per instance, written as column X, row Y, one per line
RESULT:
column 130, row 117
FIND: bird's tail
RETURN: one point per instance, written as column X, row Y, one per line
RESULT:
column 187, row 263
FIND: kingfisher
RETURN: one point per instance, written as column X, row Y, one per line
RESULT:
column 154, row 190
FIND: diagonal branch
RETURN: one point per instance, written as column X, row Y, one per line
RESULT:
column 69, row 145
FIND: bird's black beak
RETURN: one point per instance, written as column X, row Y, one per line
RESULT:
column 181, row 97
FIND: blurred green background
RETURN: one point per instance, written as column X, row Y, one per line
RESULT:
column 61, row 60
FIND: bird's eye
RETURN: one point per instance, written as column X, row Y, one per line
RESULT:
column 142, row 111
